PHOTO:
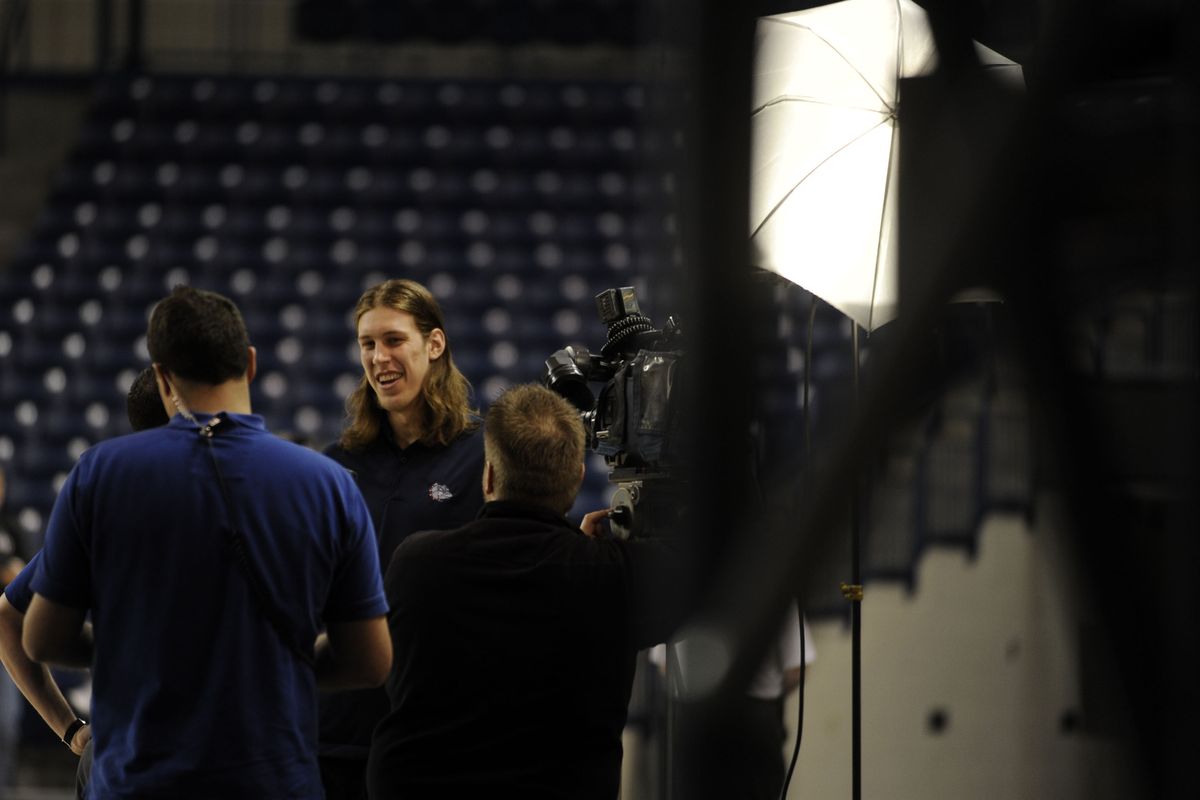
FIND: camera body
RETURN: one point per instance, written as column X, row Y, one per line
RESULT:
column 634, row 421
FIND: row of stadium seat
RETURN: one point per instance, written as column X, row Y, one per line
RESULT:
column 376, row 143
column 183, row 220
column 297, row 100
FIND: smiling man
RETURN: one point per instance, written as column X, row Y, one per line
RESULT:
column 414, row 445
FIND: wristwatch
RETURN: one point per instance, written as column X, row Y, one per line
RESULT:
column 72, row 729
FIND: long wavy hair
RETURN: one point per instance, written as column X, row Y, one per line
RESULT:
column 446, row 391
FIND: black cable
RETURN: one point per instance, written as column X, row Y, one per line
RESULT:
column 674, row 688
column 756, row 486
column 808, row 353
column 627, row 327
column 787, row 779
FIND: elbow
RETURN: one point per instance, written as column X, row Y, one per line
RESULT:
column 20, row 635
column 359, row 654
column 36, row 647
column 55, row 634
column 368, row 671
column 376, row 654
column 376, row 671
column 355, row 655
column 11, row 623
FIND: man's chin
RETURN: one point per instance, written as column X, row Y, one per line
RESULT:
column 392, row 402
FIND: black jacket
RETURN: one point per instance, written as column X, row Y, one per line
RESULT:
column 514, row 641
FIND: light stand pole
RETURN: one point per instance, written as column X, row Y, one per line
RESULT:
column 853, row 592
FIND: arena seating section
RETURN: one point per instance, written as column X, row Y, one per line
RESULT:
column 515, row 202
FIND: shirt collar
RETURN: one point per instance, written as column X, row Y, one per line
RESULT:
column 387, row 437
column 253, row 421
column 506, row 508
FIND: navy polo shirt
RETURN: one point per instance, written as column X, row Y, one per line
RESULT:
column 415, row 488
column 195, row 693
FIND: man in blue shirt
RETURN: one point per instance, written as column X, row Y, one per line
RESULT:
column 209, row 553
column 145, row 409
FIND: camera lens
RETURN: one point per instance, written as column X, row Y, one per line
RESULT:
column 564, row 376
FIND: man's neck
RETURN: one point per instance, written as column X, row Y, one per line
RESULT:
column 405, row 429
column 231, row 396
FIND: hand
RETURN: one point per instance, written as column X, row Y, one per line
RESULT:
column 80, row 739
column 594, row 524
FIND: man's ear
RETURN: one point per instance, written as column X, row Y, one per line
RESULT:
column 162, row 378
column 436, row 342
column 489, row 479
column 252, row 364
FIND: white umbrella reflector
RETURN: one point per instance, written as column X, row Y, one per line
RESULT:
column 826, row 144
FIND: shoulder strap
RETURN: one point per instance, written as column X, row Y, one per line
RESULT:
column 237, row 544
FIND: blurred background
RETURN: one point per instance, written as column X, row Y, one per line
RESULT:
column 1024, row 463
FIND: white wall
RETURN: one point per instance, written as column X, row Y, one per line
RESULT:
column 990, row 640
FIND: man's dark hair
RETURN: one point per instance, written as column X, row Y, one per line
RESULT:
column 143, row 405
column 199, row 336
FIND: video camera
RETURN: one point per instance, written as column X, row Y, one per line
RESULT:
column 635, row 420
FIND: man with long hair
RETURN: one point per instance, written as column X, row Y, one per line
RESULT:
column 209, row 553
column 413, row 442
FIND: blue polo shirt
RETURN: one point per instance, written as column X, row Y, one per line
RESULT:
column 410, row 489
column 19, row 592
column 195, row 693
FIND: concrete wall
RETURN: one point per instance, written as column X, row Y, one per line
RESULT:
column 991, row 643
column 257, row 36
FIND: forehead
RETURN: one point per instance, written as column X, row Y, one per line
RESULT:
column 382, row 320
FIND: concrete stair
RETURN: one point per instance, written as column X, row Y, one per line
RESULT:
column 40, row 126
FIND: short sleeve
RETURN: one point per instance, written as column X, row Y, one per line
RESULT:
column 65, row 574
column 357, row 589
column 19, row 591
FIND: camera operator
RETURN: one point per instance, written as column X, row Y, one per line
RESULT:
column 205, row 679
column 515, row 635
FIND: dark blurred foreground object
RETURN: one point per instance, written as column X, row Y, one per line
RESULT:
column 500, row 22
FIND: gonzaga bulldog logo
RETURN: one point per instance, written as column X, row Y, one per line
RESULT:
column 440, row 492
